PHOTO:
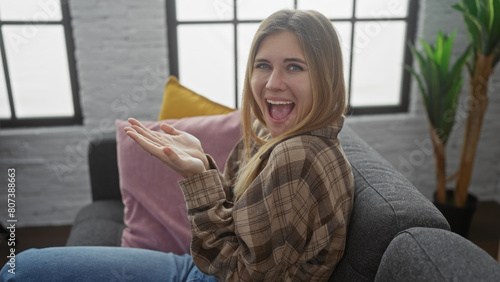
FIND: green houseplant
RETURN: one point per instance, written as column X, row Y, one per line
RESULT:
column 482, row 21
column 440, row 87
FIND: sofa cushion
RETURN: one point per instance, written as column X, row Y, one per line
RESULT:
column 428, row 254
column 181, row 102
column 385, row 203
column 155, row 210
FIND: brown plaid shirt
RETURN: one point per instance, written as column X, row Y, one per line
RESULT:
column 290, row 224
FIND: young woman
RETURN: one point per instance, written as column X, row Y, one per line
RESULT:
column 281, row 210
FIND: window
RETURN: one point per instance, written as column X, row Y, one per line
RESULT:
column 209, row 41
column 37, row 78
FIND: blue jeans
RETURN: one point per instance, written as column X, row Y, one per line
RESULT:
column 101, row 264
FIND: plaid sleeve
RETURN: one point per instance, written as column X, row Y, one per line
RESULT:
column 233, row 164
column 289, row 225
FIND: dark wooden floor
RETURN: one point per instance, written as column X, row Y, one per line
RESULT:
column 485, row 228
column 484, row 232
column 35, row 237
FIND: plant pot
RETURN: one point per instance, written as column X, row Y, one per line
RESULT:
column 458, row 218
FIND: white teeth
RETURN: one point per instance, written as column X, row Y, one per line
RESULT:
column 279, row 102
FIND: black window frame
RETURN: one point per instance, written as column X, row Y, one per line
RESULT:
column 411, row 23
column 77, row 118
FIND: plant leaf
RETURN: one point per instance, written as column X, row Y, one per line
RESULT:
column 440, row 86
column 482, row 19
column 469, row 10
column 494, row 28
column 445, row 52
column 457, row 68
column 432, row 71
column 423, row 91
column 450, row 104
column 429, row 50
column 490, row 10
column 422, row 62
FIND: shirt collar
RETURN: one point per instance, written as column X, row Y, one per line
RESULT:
column 330, row 132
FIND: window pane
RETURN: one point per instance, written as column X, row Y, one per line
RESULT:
column 378, row 63
column 199, row 10
column 381, row 8
column 260, row 9
column 331, row 9
column 344, row 32
column 246, row 33
column 39, row 72
column 30, row 10
column 206, row 60
column 4, row 97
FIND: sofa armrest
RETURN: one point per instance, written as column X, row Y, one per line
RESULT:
column 429, row 254
column 103, row 168
column 385, row 203
column 98, row 224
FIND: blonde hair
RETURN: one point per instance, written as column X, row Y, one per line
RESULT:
column 322, row 52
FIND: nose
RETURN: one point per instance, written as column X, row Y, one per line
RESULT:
column 275, row 81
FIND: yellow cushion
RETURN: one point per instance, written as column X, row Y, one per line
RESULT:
column 180, row 102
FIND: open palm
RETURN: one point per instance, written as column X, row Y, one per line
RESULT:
column 178, row 149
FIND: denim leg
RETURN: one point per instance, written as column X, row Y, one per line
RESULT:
column 101, row 264
column 195, row 275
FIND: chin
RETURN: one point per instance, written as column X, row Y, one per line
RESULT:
column 278, row 130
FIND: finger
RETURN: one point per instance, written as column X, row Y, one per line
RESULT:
column 140, row 135
column 133, row 121
column 128, row 128
column 154, row 136
column 137, row 124
column 146, row 132
column 167, row 128
column 145, row 143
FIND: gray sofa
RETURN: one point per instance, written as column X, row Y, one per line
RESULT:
column 395, row 233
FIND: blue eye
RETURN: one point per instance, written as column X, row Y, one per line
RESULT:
column 295, row 68
column 262, row 66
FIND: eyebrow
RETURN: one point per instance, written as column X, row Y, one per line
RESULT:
column 286, row 60
column 295, row 60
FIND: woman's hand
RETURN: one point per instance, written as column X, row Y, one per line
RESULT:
column 178, row 149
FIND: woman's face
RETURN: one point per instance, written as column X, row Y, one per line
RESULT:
column 280, row 82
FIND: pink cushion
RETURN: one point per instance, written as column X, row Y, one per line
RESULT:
column 155, row 210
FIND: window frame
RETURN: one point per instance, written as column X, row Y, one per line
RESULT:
column 77, row 118
column 411, row 24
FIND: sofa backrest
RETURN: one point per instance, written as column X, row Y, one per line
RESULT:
column 385, row 203
column 103, row 169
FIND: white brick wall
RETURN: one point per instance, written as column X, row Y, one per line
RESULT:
column 121, row 53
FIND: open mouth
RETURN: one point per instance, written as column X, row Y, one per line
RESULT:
column 279, row 110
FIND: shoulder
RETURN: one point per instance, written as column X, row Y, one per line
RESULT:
column 305, row 145
column 305, row 152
